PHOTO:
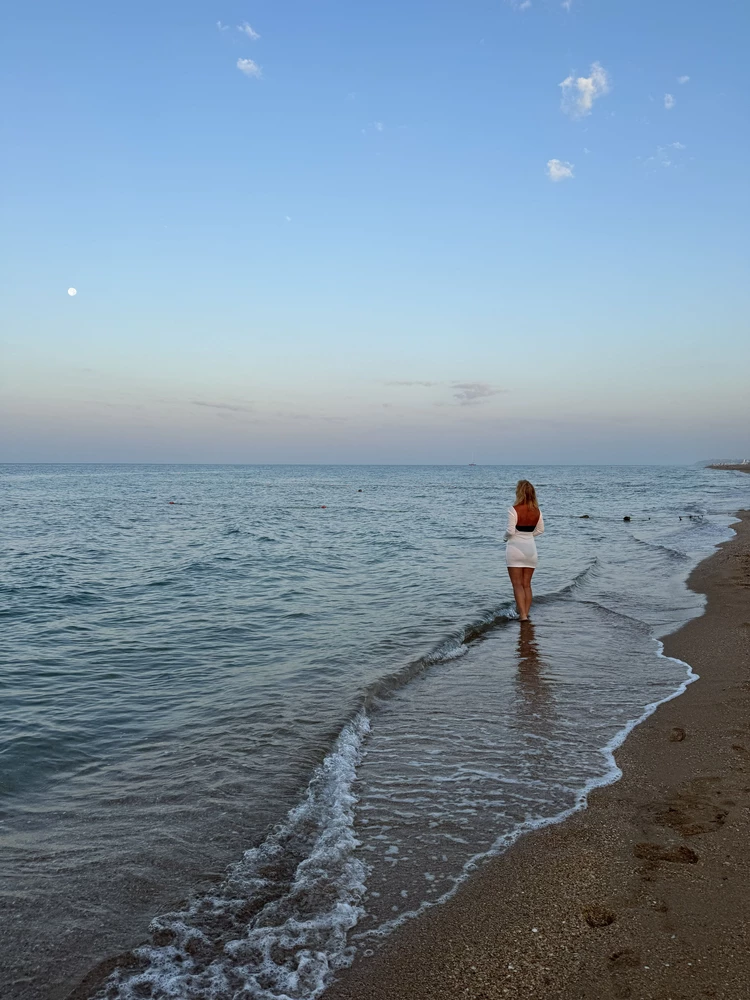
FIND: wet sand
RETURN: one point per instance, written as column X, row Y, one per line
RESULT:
column 645, row 894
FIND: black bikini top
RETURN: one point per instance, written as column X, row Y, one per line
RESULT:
column 526, row 527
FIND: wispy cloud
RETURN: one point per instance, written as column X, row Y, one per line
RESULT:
column 472, row 392
column 669, row 102
column 566, row 5
column 579, row 93
column 249, row 68
column 373, row 127
column 683, row 79
column 426, row 385
column 222, row 27
column 560, row 170
column 223, row 406
column 467, row 393
column 246, row 29
column 667, row 156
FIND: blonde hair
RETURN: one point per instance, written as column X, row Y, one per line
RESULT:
column 526, row 494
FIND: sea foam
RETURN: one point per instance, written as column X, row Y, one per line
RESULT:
column 276, row 927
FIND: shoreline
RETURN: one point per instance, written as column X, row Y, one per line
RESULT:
column 645, row 893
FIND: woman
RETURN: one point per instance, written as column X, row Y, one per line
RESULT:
column 525, row 522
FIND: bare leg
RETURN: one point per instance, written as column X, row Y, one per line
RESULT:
column 519, row 591
column 528, row 596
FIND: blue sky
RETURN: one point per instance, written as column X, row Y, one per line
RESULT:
column 393, row 232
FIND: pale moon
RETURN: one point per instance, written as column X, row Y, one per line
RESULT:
column 72, row 291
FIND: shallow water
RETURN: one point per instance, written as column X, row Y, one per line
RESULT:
column 177, row 677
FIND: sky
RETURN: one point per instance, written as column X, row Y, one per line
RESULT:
column 393, row 232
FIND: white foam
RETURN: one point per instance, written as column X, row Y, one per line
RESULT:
column 277, row 927
column 450, row 654
column 455, row 646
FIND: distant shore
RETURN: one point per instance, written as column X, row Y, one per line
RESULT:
column 642, row 895
column 745, row 467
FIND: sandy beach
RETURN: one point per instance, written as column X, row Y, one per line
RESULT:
column 646, row 893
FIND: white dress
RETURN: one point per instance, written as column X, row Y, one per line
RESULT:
column 521, row 547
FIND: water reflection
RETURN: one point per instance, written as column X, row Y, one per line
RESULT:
column 536, row 697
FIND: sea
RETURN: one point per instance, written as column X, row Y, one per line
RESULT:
column 254, row 718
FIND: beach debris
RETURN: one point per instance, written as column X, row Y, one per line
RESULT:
column 626, row 518
column 677, row 735
column 656, row 852
column 598, row 916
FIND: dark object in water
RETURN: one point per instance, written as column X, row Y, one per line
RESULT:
column 626, row 518
column 359, row 491
column 585, row 515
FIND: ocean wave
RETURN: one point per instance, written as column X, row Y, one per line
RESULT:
column 659, row 547
column 277, row 926
column 569, row 588
column 452, row 647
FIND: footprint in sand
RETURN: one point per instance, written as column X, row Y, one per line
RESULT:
column 598, row 916
column 708, row 820
column 693, row 810
column 657, row 852
column 627, row 958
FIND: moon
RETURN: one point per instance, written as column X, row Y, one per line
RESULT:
column 72, row 291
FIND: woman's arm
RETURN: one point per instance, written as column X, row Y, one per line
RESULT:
column 512, row 522
column 539, row 529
